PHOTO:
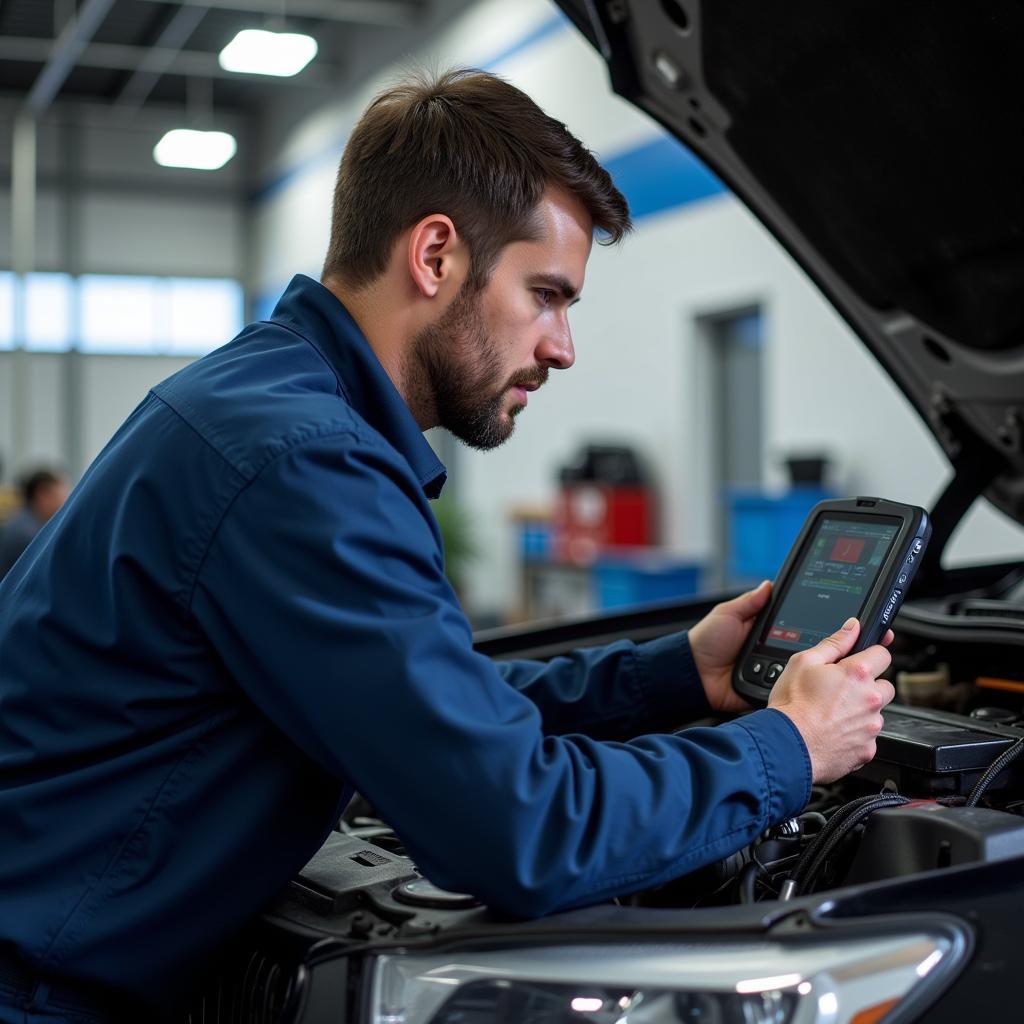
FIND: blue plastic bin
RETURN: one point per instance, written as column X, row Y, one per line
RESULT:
column 640, row 580
column 762, row 528
column 535, row 541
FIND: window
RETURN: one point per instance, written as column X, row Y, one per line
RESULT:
column 118, row 313
column 201, row 315
column 49, row 299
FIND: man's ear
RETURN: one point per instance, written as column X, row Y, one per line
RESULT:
column 436, row 255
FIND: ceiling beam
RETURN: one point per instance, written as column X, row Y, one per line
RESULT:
column 388, row 13
column 172, row 39
column 65, row 54
column 190, row 63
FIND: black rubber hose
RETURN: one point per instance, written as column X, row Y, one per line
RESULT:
column 748, row 876
column 992, row 771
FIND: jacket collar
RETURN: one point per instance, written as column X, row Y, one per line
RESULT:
column 314, row 312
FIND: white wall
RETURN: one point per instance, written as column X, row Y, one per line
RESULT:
column 49, row 216
column 639, row 372
column 112, row 387
column 161, row 235
column 37, row 380
column 109, row 388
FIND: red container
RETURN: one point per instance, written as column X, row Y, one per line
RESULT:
column 592, row 517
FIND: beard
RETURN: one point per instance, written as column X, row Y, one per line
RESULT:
column 458, row 371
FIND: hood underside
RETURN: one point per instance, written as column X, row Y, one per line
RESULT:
column 883, row 145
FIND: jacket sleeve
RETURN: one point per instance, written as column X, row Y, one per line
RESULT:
column 613, row 692
column 324, row 596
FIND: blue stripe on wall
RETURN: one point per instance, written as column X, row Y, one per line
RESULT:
column 546, row 28
column 661, row 175
column 655, row 176
column 329, row 154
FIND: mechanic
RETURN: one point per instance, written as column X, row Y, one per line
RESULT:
column 241, row 614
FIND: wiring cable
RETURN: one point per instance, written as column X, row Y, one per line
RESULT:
column 850, row 822
column 819, row 839
column 839, row 826
column 992, row 771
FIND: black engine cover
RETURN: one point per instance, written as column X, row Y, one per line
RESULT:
column 922, row 837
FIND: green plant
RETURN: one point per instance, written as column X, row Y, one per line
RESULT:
column 460, row 548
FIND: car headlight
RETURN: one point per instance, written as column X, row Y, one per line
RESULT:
column 827, row 981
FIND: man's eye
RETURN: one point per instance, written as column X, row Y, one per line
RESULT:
column 545, row 295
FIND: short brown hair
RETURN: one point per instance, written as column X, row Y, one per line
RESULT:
column 467, row 144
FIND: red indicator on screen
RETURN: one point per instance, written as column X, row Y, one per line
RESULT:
column 790, row 635
column 846, row 549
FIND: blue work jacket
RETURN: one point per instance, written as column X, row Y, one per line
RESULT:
column 241, row 614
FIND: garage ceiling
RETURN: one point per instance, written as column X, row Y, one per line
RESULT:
column 129, row 53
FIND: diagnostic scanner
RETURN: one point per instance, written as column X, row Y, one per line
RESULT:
column 854, row 556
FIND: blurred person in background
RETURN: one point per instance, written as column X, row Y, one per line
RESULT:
column 44, row 490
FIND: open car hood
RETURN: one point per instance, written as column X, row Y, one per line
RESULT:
column 883, row 145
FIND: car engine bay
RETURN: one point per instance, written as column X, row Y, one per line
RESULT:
column 945, row 791
column 946, row 787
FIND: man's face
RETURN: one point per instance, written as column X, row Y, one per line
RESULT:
column 490, row 348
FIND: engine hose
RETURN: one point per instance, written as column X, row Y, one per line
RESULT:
column 992, row 771
column 849, row 822
column 748, row 876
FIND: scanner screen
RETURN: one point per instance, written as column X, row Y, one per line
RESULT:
column 832, row 581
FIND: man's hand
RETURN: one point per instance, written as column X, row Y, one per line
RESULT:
column 716, row 642
column 836, row 702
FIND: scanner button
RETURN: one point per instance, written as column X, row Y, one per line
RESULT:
column 754, row 668
column 773, row 672
column 910, row 558
column 918, row 544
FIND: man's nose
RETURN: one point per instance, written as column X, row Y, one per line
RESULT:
column 556, row 349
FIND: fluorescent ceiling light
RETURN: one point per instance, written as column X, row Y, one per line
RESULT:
column 203, row 151
column 255, row 51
